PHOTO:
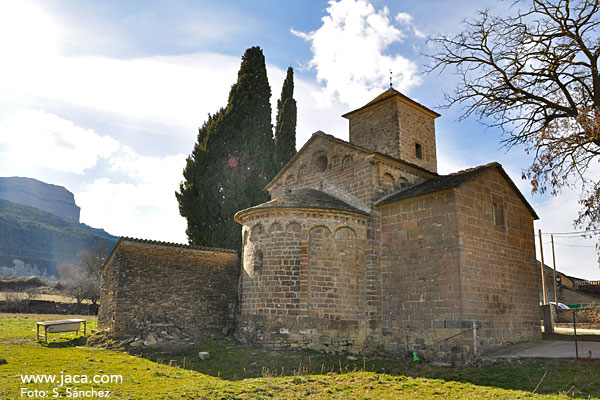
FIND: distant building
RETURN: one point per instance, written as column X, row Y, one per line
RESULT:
column 570, row 290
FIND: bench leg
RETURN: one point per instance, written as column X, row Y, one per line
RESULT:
column 38, row 332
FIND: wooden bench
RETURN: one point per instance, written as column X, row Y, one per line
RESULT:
column 64, row 325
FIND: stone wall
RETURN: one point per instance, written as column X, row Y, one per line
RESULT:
column 420, row 276
column 394, row 127
column 588, row 316
column 191, row 288
column 498, row 268
column 308, row 287
column 377, row 129
column 447, row 267
column 350, row 174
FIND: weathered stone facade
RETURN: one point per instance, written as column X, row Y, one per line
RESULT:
column 364, row 248
column 395, row 125
column 147, row 282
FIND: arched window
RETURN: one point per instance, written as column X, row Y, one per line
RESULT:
column 387, row 181
column 320, row 164
column 347, row 163
column 402, row 183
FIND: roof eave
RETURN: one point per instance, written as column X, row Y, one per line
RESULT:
column 240, row 215
column 110, row 256
column 496, row 165
column 396, row 95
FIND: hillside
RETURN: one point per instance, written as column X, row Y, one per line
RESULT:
column 31, row 192
column 42, row 239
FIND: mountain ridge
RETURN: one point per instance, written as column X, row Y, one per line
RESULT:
column 45, row 196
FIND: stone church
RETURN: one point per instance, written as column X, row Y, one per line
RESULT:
column 365, row 248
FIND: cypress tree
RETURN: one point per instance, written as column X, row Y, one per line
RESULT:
column 285, row 130
column 232, row 160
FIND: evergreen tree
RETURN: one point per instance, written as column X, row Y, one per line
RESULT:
column 232, row 160
column 285, row 131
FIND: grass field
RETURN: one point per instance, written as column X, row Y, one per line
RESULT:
column 238, row 372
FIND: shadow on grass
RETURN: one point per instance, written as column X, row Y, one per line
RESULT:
column 63, row 342
column 231, row 361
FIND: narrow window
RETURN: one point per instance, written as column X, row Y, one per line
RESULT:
column 498, row 214
column 418, row 151
column 258, row 260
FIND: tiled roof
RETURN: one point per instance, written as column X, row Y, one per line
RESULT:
column 450, row 181
column 183, row 246
column 307, row 198
column 391, row 92
column 435, row 184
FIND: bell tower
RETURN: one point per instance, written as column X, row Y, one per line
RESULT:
column 397, row 126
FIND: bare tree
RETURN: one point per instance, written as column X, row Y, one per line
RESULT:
column 74, row 281
column 82, row 280
column 535, row 75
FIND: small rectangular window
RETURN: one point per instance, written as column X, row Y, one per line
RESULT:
column 498, row 214
column 418, row 151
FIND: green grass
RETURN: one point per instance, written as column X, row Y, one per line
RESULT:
column 239, row 372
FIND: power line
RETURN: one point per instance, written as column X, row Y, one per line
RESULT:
column 572, row 245
column 590, row 232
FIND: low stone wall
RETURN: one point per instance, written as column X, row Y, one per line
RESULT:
column 583, row 315
column 152, row 283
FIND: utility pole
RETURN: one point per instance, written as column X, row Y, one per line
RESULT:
column 545, row 300
column 554, row 265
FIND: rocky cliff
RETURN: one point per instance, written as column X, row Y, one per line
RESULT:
column 31, row 192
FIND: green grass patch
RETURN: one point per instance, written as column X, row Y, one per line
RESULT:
column 239, row 372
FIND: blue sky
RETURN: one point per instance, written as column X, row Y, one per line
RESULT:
column 105, row 97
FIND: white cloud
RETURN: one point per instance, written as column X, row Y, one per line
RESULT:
column 135, row 196
column 146, row 209
column 27, row 34
column 407, row 20
column 175, row 91
column 349, row 52
column 128, row 193
column 142, row 203
column 38, row 139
